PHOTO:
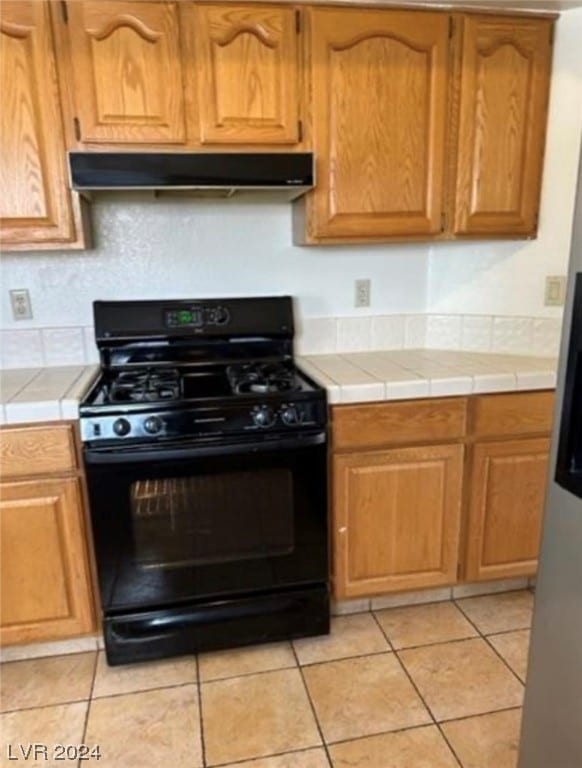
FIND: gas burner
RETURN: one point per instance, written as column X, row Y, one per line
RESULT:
column 145, row 386
column 262, row 378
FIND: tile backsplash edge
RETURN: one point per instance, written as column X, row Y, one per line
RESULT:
column 324, row 335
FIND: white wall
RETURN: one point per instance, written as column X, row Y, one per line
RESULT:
column 172, row 247
column 507, row 278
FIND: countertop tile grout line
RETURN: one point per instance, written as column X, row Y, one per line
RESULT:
column 200, row 717
column 419, row 694
column 312, row 705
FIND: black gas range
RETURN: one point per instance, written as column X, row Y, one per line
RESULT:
column 205, row 449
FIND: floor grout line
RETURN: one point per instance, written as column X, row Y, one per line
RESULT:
column 312, row 705
column 484, row 637
column 92, row 688
column 419, row 694
column 200, row 717
column 246, row 760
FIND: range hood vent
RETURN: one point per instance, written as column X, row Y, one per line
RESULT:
column 290, row 172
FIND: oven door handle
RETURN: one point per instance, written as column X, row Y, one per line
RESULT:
column 195, row 450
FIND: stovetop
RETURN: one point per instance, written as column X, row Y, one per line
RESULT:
column 193, row 369
column 175, row 386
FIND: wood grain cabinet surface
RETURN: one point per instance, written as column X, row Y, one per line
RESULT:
column 37, row 209
column 246, row 62
column 507, row 494
column 432, row 513
column 45, row 579
column 379, row 84
column 503, row 96
column 126, row 70
column 397, row 517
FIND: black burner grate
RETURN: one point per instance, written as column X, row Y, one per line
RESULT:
column 145, row 386
column 262, row 378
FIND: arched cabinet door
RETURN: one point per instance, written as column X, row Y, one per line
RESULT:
column 127, row 72
column 37, row 210
column 247, row 72
column 504, row 84
column 379, row 86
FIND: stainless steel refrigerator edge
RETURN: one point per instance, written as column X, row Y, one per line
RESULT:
column 552, row 718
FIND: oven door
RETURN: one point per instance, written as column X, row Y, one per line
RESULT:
column 184, row 522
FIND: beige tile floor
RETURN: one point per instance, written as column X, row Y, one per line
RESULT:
column 426, row 686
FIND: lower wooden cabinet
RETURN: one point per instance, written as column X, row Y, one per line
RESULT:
column 462, row 501
column 45, row 580
column 397, row 519
column 45, row 587
column 508, row 486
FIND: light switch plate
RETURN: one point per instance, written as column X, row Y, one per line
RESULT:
column 21, row 306
column 555, row 294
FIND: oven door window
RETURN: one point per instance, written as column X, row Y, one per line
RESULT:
column 173, row 530
column 212, row 518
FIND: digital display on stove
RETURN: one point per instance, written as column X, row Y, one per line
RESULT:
column 183, row 318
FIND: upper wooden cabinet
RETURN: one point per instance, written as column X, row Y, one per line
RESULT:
column 379, row 110
column 126, row 69
column 37, row 210
column 246, row 61
column 181, row 74
column 503, row 94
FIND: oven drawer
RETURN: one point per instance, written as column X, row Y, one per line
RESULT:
column 26, row 451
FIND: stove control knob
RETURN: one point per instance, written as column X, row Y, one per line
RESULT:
column 221, row 315
column 153, row 425
column 263, row 416
column 292, row 415
column 121, row 427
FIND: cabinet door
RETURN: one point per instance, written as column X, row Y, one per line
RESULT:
column 505, row 75
column 36, row 206
column 379, row 103
column 506, row 508
column 396, row 518
column 127, row 71
column 45, row 589
column 247, row 69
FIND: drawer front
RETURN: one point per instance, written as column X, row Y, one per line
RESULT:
column 517, row 413
column 27, row 451
column 385, row 424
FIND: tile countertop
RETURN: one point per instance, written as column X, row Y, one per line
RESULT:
column 49, row 394
column 43, row 394
column 358, row 377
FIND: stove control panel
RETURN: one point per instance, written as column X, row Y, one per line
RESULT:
column 196, row 316
column 150, row 426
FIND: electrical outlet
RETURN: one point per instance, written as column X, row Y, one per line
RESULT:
column 21, row 306
column 363, row 289
column 555, row 294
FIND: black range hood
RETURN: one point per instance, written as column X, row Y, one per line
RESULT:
column 291, row 172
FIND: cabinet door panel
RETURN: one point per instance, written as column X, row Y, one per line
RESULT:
column 396, row 519
column 127, row 71
column 506, row 508
column 247, row 69
column 45, row 591
column 35, row 204
column 379, row 112
column 505, row 74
